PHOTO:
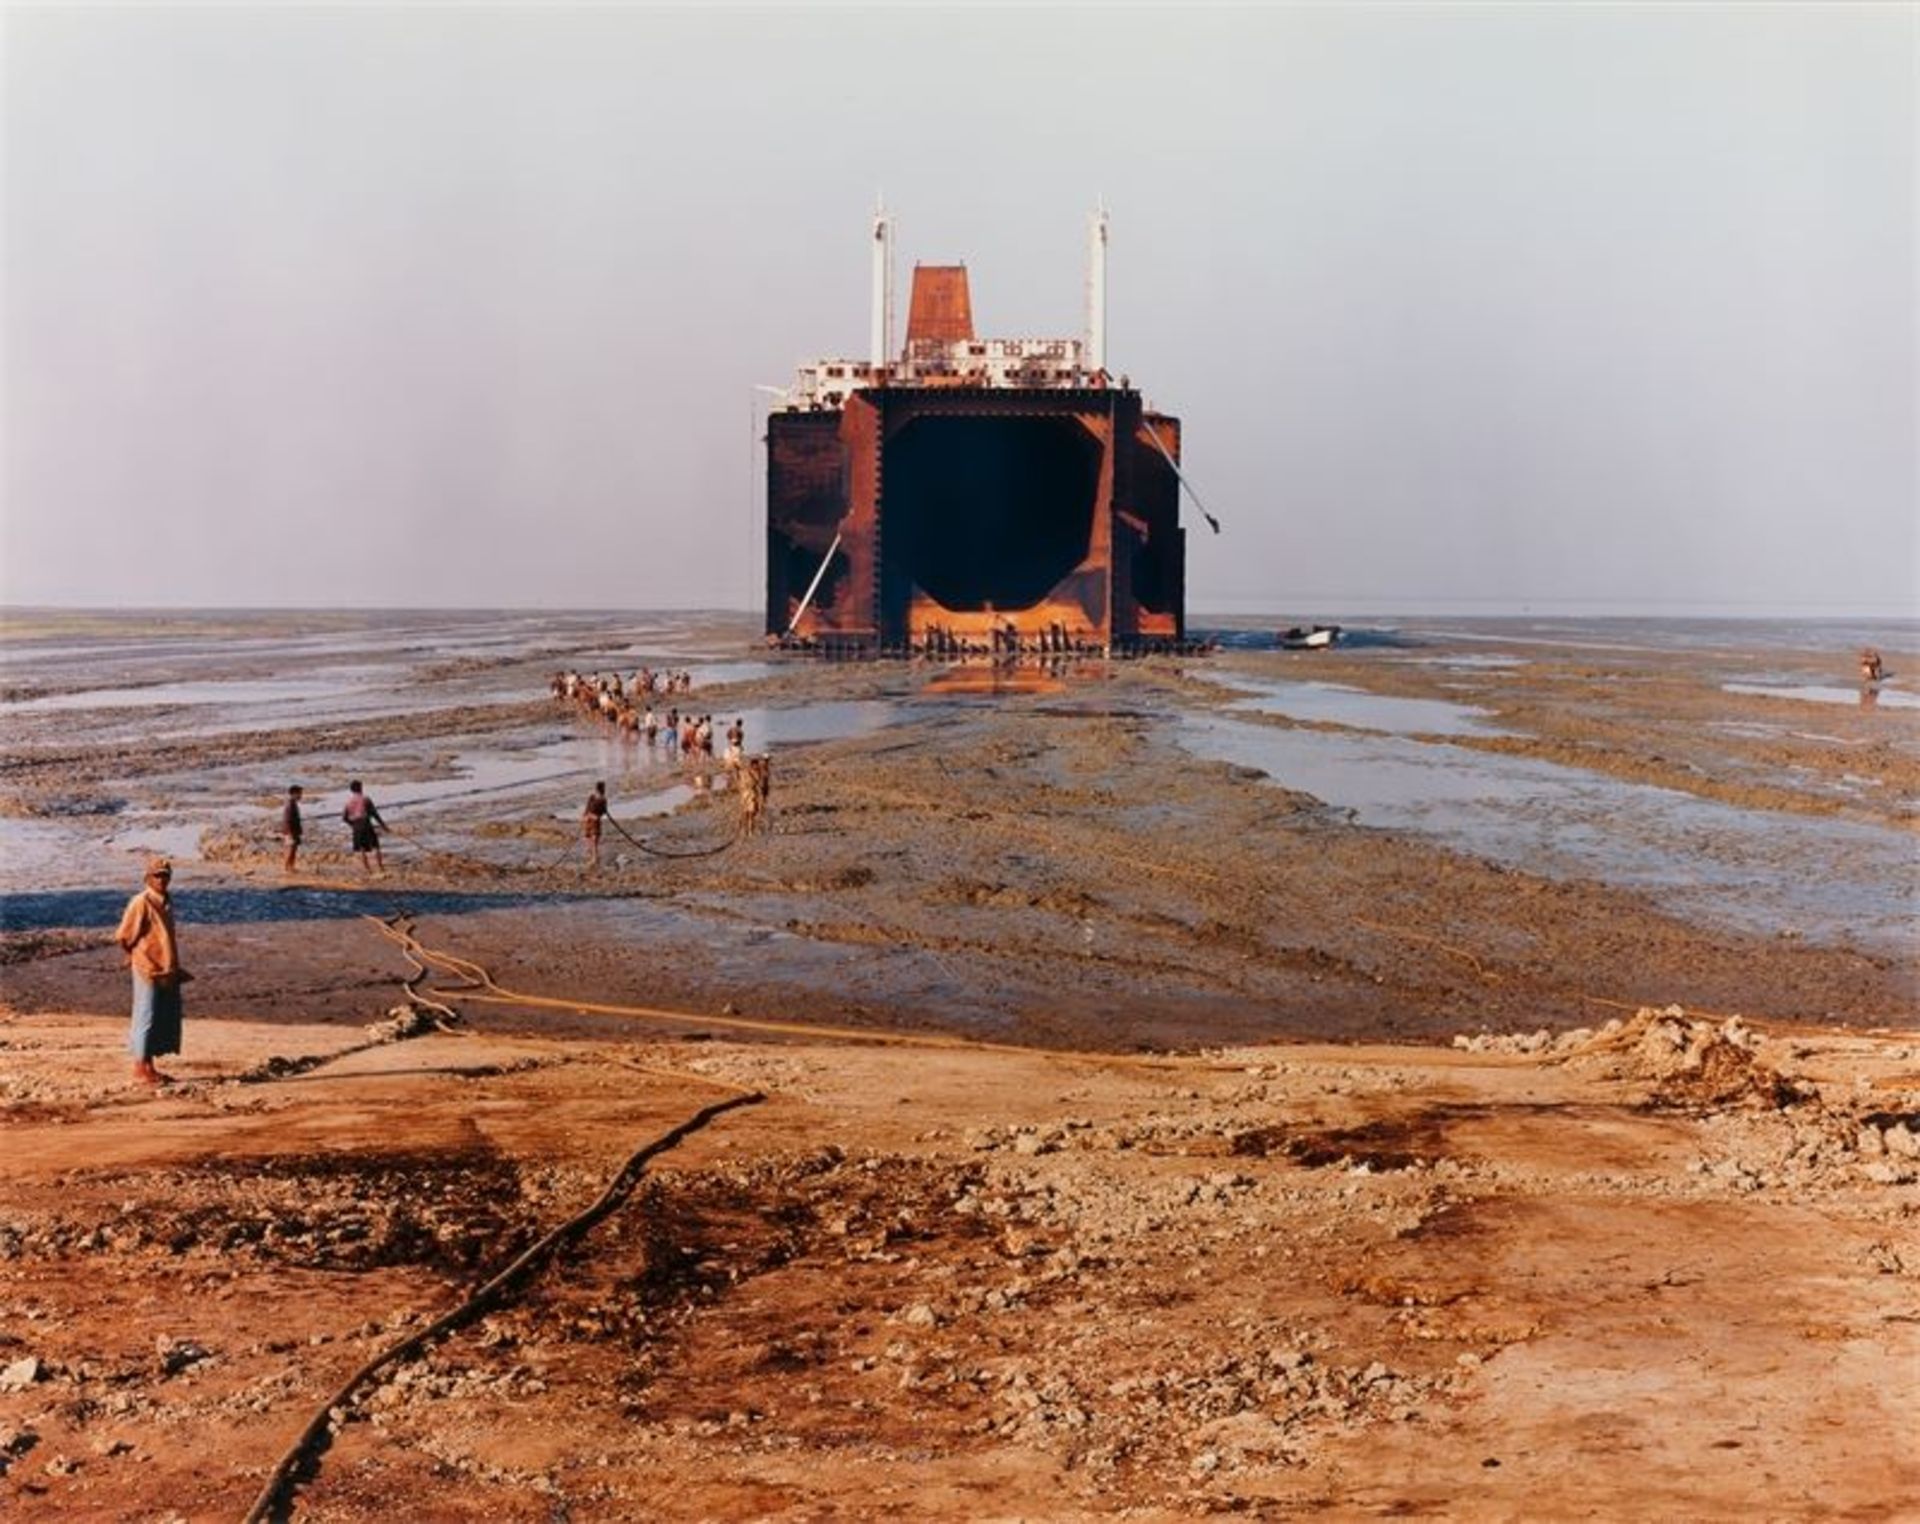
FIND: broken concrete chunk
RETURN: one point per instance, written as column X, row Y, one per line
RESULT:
column 20, row 1375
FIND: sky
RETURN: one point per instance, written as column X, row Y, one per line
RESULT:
column 1465, row 308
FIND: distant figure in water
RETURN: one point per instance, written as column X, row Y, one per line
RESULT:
column 591, row 814
column 361, row 816
column 1872, row 669
column 290, row 825
column 146, row 936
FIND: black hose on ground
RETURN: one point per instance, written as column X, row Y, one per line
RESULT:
column 275, row 1501
column 653, row 851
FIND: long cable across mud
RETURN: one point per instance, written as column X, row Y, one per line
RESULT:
column 478, row 985
column 308, row 1446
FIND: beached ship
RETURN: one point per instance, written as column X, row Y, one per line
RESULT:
column 968, row 494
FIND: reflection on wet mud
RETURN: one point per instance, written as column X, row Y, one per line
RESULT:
column 245, row 905
column 1866, row 696
column 497, row 785
column 1764, row 871
column 1337, row 704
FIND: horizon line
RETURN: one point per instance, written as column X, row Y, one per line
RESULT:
column 1441, row 608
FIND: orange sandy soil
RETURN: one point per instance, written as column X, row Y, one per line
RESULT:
column 1663, row 1270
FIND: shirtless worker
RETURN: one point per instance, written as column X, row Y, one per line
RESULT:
column 290, row 825
column 756, row 782
column 591, row 814
column 361, row 816
column 146, row 936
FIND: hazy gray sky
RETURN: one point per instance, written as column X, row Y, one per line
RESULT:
column 1463, row 307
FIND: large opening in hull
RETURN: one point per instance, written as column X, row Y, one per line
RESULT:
column 990, row 512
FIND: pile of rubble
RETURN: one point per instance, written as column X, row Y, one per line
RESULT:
column 1771, row 1129
column 1690, row 1063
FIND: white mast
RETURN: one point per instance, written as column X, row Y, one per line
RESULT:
column 1097, row 289
column 881, row 346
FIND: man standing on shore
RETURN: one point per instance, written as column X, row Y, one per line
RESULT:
column 290, row 825
column 146, row 936
column 591, row 814
column 361, row 816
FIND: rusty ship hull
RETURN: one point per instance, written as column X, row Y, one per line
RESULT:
column 972, row 518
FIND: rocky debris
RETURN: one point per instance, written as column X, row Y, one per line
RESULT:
column 20, row 1375
column 1894, row 1259
column 1820, row 1144
column 1884, row 1134
column 1689, row 1063
column 449, row 1377
column 1541, row 1041
column 14, row 1443
column 177, row 1355
column 279, row 1066
column 405, row 1021
column 402, row 1022
column 453, row 1211
column 1224, row 1412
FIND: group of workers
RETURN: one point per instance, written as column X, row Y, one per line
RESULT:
column 688, row 735
column 628, row 707
column 645, row 682
column 752, row 777
column 619, row 699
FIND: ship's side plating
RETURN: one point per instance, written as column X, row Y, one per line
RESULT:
column 972, row 494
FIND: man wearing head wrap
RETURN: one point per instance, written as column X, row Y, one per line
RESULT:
column 146, row 936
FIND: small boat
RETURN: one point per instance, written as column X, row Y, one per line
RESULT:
column 1303, row 638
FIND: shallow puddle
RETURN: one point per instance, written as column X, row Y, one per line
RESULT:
column 1768, row 872
column 1858, row 698
column 1336, row 704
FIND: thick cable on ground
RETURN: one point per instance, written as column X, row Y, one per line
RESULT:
column 272, row 1501
column 481, row 986
column 653, row 851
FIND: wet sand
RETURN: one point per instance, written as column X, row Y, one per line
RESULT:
column 1153, row 1246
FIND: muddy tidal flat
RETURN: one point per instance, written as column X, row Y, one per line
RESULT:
column 1470, row 1072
